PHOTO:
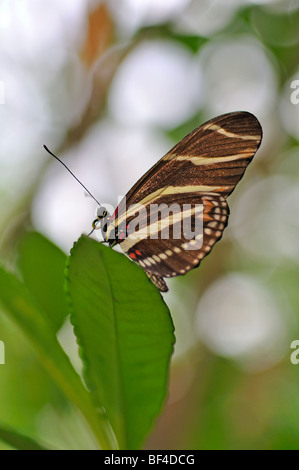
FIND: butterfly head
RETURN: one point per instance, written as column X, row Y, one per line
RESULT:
column 101, row 221
column 112, row 232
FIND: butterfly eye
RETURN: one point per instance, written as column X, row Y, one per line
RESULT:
column 95, row 224
column 102, row 213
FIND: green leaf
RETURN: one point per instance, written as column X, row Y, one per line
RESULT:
column 125, row 335
column 20, row 306
column 18, row 440
column 42, row 267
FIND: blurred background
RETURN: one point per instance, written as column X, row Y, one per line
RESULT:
column 110, row 87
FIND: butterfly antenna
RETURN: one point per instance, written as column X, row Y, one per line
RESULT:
column 91, row 232
column 88, row 235
column 46, row 148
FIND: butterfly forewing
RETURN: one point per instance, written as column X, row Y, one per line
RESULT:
column 215, row 154
column 196, row 176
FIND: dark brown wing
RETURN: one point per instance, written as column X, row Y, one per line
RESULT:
column 202, row 169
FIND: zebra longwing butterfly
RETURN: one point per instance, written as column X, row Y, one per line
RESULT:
column 201, row 171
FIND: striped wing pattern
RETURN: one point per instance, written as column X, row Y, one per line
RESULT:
column 202, row 170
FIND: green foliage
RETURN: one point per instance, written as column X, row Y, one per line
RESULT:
column 20, row 305
column 122, row 326
column 18, row 441
column 125, row 336
column 43, row 278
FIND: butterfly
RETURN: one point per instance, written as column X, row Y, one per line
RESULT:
column 194, row 178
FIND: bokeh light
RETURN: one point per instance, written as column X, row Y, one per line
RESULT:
column 238, row 76
column 238, row 318
column 261, row 223
column 158, row 84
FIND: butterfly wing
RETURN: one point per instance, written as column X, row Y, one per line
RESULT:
column 200, row 172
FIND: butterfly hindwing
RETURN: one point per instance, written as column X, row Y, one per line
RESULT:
column 166, row 255
column 158, row 281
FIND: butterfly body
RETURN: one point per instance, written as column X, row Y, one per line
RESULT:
column 187, row 187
